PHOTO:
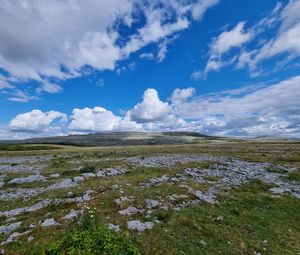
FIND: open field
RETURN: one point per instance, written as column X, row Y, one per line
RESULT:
column 207, row 197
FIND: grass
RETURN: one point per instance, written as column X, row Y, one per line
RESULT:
column 90, row 237
column 25, row 147
column 252, row 220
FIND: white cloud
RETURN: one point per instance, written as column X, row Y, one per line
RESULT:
column 20, row 96
column 147, row 55
column 49, row 87
column 230, row 39
column 36, row 121
column 99, row 119
column 285, row 43
column 222, row 44
column 249, row 111
column 151, row 109
column 244, row 111
column 182, row 94
column 58, row 39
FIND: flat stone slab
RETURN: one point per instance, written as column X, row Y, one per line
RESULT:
column 10, row 227
column 139, row 226
column 49, row 223
column 28, row 179
column 129, row 211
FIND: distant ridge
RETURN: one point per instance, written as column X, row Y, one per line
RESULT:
column 115, row 139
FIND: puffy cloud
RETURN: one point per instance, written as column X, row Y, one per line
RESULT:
column 248, row 111
column 99, row 119
column 36, row 121
column 245, row 110
column 151, row 109
column 182, row 94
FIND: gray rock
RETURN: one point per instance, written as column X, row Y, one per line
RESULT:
column 32, row 208
column 78, row 179
column 28, row 179
column 129, row 211
column 151, row 203
column 9, row 228
column 71, row 215
column 30, row 239
column 49, row 222
column 100, row 174
column 280, row 191
column 139, row 226
column 88, row 175
column 114, row 171
column 113, row 227
column 63, row 184
column 121, row 200
column 208, row 196
column 14, row 236
column 70, row 194
column 54, row 175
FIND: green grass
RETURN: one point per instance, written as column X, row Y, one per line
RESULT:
column 90, row 237
column 253, row 222
column 24, row 147
column 252, row 219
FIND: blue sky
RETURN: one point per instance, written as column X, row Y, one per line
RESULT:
column 217, row 67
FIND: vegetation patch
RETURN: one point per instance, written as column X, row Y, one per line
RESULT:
column 90, row 237
column 25, row 147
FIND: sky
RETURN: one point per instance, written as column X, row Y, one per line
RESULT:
column 229, row 68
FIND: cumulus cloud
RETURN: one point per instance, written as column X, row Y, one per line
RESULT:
column 99, row 119
column 151, row 109
column 36, row 121
column 44, row 40
column 249, row 111
column 243, row 112
column 182, row 94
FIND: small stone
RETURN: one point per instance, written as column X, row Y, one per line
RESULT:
column 78, row 179
column 220, row 218
column 54, row 175
column 30, row 238
column 208, row 197
column 72, row 214
column 115, row 186
column 129, row 211
column 121, row 200
column 100, row 174
column 9, row 228
column 49, row 222
column 113, row 227
column 28, row 179
column 151, row 203
column 70, row 194
column 88, row 175
column 139, row 226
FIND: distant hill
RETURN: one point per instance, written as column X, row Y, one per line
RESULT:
column 116, row 139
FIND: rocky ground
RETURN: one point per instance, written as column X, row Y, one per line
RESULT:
column 144, row 189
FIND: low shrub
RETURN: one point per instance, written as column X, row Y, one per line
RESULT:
column 90, row 237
